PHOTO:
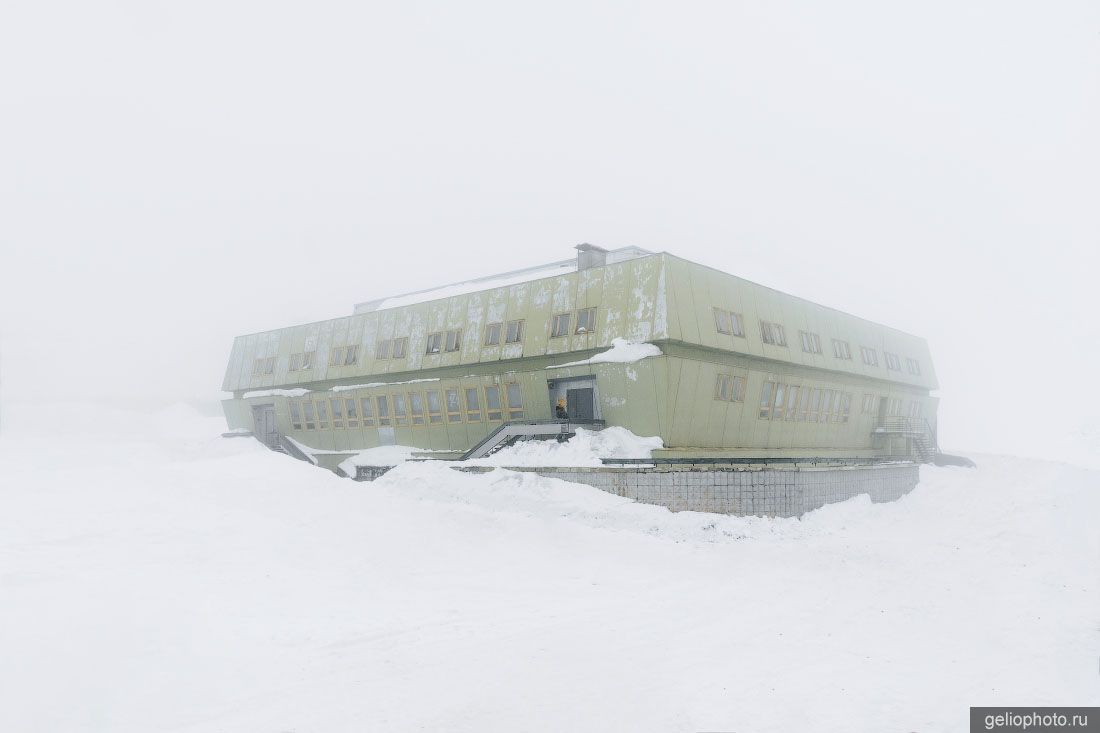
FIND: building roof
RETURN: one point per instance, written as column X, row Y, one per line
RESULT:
column 527, row 274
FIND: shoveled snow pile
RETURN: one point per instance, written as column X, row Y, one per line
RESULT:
column 382, row 455
column 155, row 576
column 586, row 448
column 621, row 352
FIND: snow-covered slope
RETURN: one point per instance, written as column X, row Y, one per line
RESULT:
column 156, row 577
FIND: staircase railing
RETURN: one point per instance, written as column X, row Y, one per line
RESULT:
column 919, row 432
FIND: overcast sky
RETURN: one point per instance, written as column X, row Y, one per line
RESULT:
column 174, row 174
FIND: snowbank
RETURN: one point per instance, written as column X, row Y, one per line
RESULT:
column 621, row 352
column 347, row 387
column 586, row 448
column 383, row 455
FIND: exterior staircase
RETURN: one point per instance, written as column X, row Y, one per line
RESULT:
column 511, row 432
column 920, row 436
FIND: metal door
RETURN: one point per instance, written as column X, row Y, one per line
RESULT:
column 263, row 417
column 579, row 403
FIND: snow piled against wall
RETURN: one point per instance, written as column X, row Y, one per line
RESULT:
column 586, row 448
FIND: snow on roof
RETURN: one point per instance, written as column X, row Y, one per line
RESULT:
column 515, row 277
column 621, row 352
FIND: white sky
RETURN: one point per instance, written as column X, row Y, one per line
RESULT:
column 173, row 174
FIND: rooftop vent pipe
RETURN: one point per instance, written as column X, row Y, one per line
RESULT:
column 589, row 255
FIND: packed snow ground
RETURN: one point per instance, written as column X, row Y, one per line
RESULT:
column 155, row 577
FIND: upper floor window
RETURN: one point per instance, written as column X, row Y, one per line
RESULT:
column 435, row 343
column 400, row 347
column 295, row 362
column 870, row 356
column 257, row 367
column 337, row 356
column 454, row 340
column 513, row 333
column 729, row 322
column 892, row 361
column 811, row 342
column 870, row 404
column 307, row 359
column 269, row 365
column 586, row 320
column 841, row 350
column 560, row 325
column 352, row 355
column 392, row 348
column 914, row 366
column 492, row 334
column 773, row 333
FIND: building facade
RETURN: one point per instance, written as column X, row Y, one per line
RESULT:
column 744, row 370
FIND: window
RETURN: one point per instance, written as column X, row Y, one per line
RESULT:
column 894, row 406
column 454, row 410
column 367, row 407
column 435, row 343
column 454, row 340
column 826, row 405
column 914, row 366
column 892, row 361
column 392, row 349
column 352, row 355
column 738, row 394
column 383, row 404
column 870, row 356
column 435, row 407
column 337, row 412
column 399, row 415
column 845, row 406
column 586, row 320
column 722, row 387
column 811, row 343
column 773, row 333
column 295, row 362
column 722, row 321
column 337, row 356
column 353, row 416
column 257, row 367
column 841, row 350
column 307, row 408
column 513, row 334
column 473, row 405
column 295, row 415
column 269, row 365
column 837, row 395
column 815, row 404
column 560, row 325
column 492, row 334
column 915, row 409
column 869, row 404
column 416, row 408
column 792, row 402
column 515, row 402
column 738, row 324
column 322, row 415
column 803, row 405
column 307, row 359
column 492, row 404
column 766, row 393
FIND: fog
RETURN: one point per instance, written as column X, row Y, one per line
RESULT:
column 172, row 175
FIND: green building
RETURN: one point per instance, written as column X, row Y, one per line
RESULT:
column 744, row 371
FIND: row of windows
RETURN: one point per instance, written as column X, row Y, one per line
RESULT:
column 398, row 348
column 781, row 401
column 431, row 407
column 730, row 323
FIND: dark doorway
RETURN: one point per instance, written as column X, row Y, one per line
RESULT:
column 579, row 403
column 263, row 416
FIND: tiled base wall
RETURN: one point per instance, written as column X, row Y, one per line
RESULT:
column 742, row 490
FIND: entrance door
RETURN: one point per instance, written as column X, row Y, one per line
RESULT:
column 263, row 417
column 580, row 403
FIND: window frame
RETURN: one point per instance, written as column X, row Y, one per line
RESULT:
column 558, row 319
column 520, row 327
column 493, row 414
column 492, row 329
column 366, row 409
column 811, row 342
column 417, row 414
column 773, row 334
column 435, row 416
column 842, row 346
column 454, row 416
column 515, row 412
column 453, row 341
column 437, row 338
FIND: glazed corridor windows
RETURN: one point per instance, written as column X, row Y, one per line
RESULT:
column 730, row 388
column 780, row 401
